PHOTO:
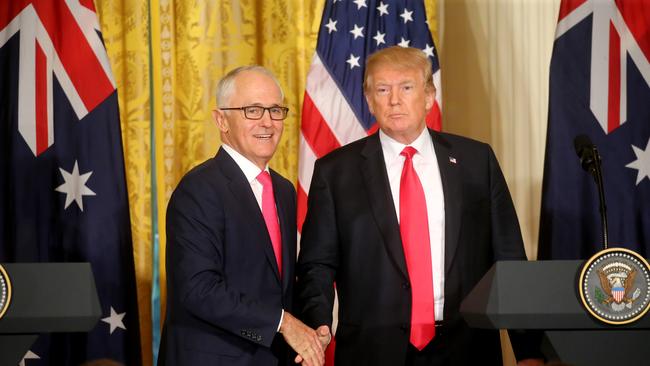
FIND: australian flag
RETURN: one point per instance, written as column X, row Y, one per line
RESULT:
column 63, row 195
column 600, row 87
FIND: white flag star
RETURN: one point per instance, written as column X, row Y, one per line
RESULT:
column 357, row 31
column 74, row 186
column 642, row 162
column 428, row 50
column 353, row 61
column 115, row 320
column 382, row 8
column 360, row 4
column 28, row 356
column 379, row 38
column 331, row 26
column 407, row 16
column 403, row 42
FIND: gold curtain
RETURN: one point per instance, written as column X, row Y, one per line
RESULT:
column 125, row 29
column 167, row 57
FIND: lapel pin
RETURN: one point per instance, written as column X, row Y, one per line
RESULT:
column 452, row 160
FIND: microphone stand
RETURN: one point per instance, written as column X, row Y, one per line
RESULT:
column 598, row 177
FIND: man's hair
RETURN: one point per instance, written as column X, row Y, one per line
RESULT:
column 226, row 86
column 406, row 58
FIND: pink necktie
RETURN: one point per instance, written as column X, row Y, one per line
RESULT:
column 414, row 229
column 271, row 216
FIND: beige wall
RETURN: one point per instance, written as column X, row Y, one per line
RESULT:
column 495, row 57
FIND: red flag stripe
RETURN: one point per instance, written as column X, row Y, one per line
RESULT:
column 614, row 90
column 317, row 132
column 568, row 6
column 434, row 117
column 302, row 206
column 11, row 9
column 89, row 4
column 635, row 14
column 41, row 91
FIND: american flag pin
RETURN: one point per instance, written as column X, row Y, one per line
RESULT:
column 452, row 160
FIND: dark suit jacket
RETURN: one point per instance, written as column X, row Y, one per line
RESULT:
column 225, row 296
column 351, row 236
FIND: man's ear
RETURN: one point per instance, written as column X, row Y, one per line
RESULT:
column 220, row 120
column 370, row 107
column 429, row 98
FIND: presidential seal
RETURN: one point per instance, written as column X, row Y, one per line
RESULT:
column 5, row 291
column 614, row 285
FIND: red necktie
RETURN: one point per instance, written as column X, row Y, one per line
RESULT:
column 271, row 216
column 414, row 229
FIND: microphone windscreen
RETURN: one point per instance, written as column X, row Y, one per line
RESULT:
column 582, row 144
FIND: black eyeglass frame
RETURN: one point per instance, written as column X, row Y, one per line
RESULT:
column 285, row 111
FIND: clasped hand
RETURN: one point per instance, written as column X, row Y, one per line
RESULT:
column 308, row 343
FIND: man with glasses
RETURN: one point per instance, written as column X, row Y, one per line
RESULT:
column 231, row 242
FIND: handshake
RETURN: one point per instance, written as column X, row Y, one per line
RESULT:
column 308, row 343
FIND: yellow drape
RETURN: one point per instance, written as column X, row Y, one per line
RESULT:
column 125, row 28
column 167, row 57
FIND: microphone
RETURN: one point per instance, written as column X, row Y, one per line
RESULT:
column 590, row 161
column 587, row 153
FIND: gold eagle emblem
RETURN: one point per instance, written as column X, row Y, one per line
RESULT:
column 626, row 280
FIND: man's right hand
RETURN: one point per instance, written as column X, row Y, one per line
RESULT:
column 304, row 340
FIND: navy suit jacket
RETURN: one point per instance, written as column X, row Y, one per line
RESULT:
column 351, row 237
column 225, row 295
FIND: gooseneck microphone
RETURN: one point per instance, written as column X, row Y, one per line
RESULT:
column 590, row 161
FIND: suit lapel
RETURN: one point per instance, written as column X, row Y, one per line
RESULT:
column 373, row 170
column 244, row 195
column 451, row 186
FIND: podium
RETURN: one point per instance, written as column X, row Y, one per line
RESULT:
column 543, row 295
column 46, row 298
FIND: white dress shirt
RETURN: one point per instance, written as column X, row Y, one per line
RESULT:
column 251, row 171
column 426, row 166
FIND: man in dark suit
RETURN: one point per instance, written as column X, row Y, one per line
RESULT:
column 405, row 222
column 231, row 242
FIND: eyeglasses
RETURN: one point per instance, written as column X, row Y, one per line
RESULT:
column 256, row 112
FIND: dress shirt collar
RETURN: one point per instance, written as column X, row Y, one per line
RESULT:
column 392, row 148
column 250, row 170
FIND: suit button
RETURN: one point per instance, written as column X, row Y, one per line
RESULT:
column 404, row 327
column 406, row 285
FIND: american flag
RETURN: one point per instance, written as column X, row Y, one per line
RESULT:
column 63, row 191
column 334, row 110
column 600, row 87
